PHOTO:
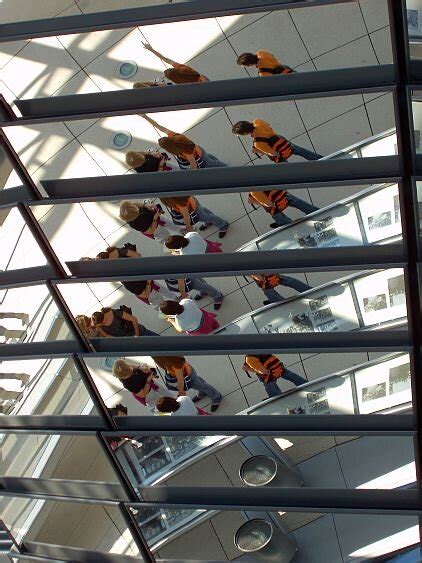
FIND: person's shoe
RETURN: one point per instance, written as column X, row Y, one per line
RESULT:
column 215, row 406
column 267, row 302
column 274, row 225
column 204, row 226
column 200, row 296
column 222, row 234
column 197, row 398
column 217, row 306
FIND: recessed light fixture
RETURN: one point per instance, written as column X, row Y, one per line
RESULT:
column 127, row 69
column 120, row 140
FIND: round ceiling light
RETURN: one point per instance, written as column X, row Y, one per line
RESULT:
column 127, row 69
column 253, row 535
column 120, row 140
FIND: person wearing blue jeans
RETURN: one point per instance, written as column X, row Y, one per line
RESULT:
column 204, row 389
column 184, row 286
column 268, row 283
column 209, row 218
column 269, row 369
column 275, row 202
column 305, row 153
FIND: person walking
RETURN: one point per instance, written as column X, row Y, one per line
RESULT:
column 264, row 62
column 141, row 381
column 269, row 369
column 187, row 317
column 147, row 219
column 191, row 243
column 271, row 144
column 188, row 154
column 118, row 322
column 275, row 202
column 178, row 73
column 184, row 286
column 269, row 282
column 187, row 212
column 181, row 376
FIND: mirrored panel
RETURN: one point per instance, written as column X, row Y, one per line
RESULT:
column 43, row 387
column 273, row 536
column 30, row 314
column 254, row 384
column 303, row 40
column 70, row 524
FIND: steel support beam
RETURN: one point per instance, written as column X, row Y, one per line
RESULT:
column 272, row 499
column 239, row 263
column 314, row 175
column 216, row 93
column 148, row 15
column 15, row 195
column 60, row 553
column 26, row 276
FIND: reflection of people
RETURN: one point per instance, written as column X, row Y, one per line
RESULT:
column 149, row 292
column 267, row 142
column 140, row 381
column 181, row 376
column 142, row 161
column 188, row 154
column 187, row 211
column 147, row 219
column 269, row 282
column 182, row 406
column 14, row 333
column 179, row 73
column 184, row 286
column 118, row 322
column 265, row 62
column 269, row 369
column 191, row 243
column 187, row 317
column 275, row 202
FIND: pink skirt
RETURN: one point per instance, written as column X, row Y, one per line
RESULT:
column 212, row 247
column 208, row 324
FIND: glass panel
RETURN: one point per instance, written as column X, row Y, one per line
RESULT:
column 86, row 526
column 43, row 387
column 308, row 384
column 29, row 314
column 311, row 38
column 274, row 536
column 52, row 456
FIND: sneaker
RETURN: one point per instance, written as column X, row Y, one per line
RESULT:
column 198, row 398
column 274, row 225
column 222, row 234
column 217, row 306
column 204, row 226
column 215, row 406
column 267, row 302
column 200, row 296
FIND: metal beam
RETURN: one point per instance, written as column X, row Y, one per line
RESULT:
column 216, row 93
column 148, row 15
column 319, row 174
column 71, row 424
column 239, row 263
column 62, row 553
column 269, row 425
column 271, row 499
column 26, row 276
column 15, row 195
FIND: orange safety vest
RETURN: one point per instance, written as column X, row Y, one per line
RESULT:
column 266, row 282
column 279, row 197
column 272, row 364
column 279, row 144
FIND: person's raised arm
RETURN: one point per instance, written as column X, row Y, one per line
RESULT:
column 149, row 48
column 133, row 320
column 156, row 125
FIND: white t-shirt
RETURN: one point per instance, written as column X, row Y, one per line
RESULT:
column 187, row 407
column 191, row 317
column 197, row 244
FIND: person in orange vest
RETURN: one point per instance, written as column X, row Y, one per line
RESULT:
column 265, row 62
column 269, row 370
column 269, row 143
column 275, row 202
column 268, row 283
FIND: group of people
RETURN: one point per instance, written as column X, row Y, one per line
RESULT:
column 177, row 232
column 180, row 376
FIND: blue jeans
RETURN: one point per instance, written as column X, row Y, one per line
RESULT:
column 305, row 153
column 273, row 389
column 210, row 160
column 204, row 388
column 272, row 295
column 282, row 219
column 209, row 218
column 199, row 284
